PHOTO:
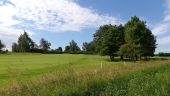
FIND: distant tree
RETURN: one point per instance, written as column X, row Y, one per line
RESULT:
column 67, row 49
column 1, row 45
column 88, row 48
column 85, row 46
column 60, row 49
column 162, row 54
column 14, row 47
column 25, row 43
column 44, row 45
column 74, row 47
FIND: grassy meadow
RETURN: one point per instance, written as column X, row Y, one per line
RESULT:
column 81, row 75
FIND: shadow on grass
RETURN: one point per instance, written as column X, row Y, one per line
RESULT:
column 128, row 60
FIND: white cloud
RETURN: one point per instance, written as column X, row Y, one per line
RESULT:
column 164, row 26
column 161, row 28
column 9, row 35
column 47, row 15
column 164, row 41
column 52, row 15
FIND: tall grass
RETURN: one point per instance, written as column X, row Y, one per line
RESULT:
column 133, row 79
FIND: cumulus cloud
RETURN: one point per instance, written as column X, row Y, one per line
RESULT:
column 46, row 15
column 164, row 41
column 52, row 15
column 9, row 35
column 164, row 26
column 161, row 28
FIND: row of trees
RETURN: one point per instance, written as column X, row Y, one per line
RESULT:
column 26, row 44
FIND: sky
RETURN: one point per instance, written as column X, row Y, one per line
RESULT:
column 60, row 21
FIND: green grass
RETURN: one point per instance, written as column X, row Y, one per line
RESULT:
column 81, row 75
column 28, row 65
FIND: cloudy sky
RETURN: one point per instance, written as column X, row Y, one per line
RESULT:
column 60, row 21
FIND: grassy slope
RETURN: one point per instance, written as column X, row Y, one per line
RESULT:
column 81, row 75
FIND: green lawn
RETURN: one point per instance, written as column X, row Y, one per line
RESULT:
column 14, row 66
column 75, row 75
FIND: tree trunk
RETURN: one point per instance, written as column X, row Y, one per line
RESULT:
column 121, row 57
column 136, row 57
column 112, row 57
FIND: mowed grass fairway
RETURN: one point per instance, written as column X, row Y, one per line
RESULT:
column 81, row 75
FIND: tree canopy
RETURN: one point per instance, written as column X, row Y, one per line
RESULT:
column 133, row 40
column 44, row 44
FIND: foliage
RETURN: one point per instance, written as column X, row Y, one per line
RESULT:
column 25, row 43
column 99, row 36
column 109, row 38
column 14, row 47
column 162, row 54
column 44, row 45
column 88, row 47
column 139, row 38
column 67, row 49
column 72, row 48
column 1, row 46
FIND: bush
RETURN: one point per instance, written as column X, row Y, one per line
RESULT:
column 161, row 54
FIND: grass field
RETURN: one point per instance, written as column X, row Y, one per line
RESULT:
column 81, row 75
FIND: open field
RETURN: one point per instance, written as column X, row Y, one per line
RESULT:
column 81, row 75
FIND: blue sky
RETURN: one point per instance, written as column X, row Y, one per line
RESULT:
column 60, row 21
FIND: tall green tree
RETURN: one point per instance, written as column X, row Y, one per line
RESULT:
column 99, row 36
column 25, row 43
column 140, row 37
column 67, row 49
column 44, row 44
column 111, row 42
column 74, row 47
column 1, row 45
column 60, row 49
column 108, row 40
column 14, row 47
column 88, row 47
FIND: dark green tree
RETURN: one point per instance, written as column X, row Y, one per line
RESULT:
column 60, row 49
column 85, row 46
column 25, row 43
column 67, row 49
column 14, row 47
column 44, row 45
column 99, row 36
column 131, row 51
column 111, row 42
column 140, row 37
column 108, row 40
column 74, row 47
column 1, row 45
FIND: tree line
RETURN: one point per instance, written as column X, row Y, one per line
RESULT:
column 133, row 41
column 26, row 44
